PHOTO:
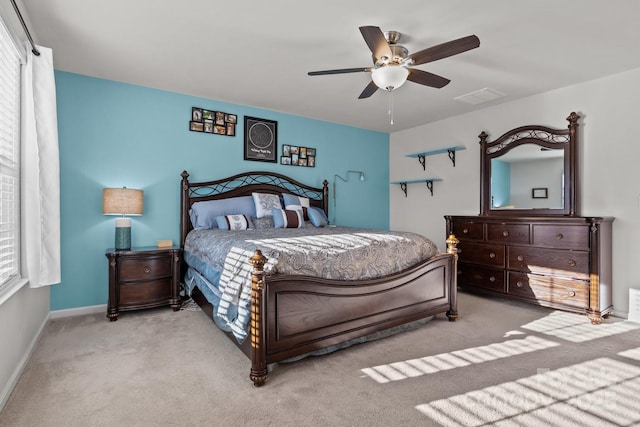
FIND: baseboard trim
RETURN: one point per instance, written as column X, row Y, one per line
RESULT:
column 92, row 309
column 6, row 393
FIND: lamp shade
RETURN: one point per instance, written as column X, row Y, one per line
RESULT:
column 122, row 201
column 390, row 76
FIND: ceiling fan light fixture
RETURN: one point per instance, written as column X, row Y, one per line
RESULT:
column 390, row 76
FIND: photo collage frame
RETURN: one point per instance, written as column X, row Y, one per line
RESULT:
column 213, row 122
column 294, row 155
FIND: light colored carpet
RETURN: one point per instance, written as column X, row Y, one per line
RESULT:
column 502, row 363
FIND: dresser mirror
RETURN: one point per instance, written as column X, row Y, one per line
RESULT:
column 530, row 170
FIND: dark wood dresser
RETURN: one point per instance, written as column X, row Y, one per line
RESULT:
column 559, row 262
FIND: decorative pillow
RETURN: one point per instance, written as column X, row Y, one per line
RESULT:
column 263, row 223
column 233, row 222
column 203, row 214
column 264, row 203
column 288, row 218
column 317, row 217
column 296, row 202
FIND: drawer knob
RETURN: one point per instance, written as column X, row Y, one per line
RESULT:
column 492, row 255
column 520, row 258
column 459, row 272
column 519, row 284
column 559, row 236
column 147, row 269
column 492, row 279
column 572, row 293
column 465, row 231
column 505, row 233
column 572, row 263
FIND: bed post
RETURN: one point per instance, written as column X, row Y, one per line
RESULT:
column 452, row 248
column 257, row 322
column 184, row 199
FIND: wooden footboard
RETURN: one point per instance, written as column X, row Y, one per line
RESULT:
column 294, row 315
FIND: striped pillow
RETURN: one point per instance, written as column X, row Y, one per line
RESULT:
column 287, row 218
column 233, row 222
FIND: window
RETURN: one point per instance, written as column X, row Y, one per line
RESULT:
column 9, row 160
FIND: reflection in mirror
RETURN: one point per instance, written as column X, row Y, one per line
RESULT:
column 515, row 175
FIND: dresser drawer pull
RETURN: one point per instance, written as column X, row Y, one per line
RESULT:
column 572, row 263
column 559, row 236
column 465, row 231
column 505, row 233
column 572, row 294
column 459, row 272
column 519, row 284
column 492, row 279
column 520, row 258
column 492, row 255
column 147, row 269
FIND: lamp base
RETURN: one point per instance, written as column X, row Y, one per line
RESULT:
column 123, row 234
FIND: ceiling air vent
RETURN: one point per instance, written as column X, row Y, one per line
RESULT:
column 480, row 96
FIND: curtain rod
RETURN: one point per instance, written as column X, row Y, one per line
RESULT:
column 26, row 30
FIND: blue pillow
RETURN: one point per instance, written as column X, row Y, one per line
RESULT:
column 317, row 217
column 287, row 218
column 292, row 201
column 233, row 222
column 203, row 214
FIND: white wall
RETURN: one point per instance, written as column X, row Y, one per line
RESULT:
column 24, row 314
column 608, row 154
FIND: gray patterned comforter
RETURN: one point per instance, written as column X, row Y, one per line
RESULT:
column 340, row 253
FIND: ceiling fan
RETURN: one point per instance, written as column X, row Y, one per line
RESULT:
column 392, row 62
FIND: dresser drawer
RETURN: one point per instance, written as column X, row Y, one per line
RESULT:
column 574, row 293
column 468, row 230
column 561, row 236
column 565, row 263
column 508, row 233
column 482, row 253
column 148, row 268
column 481, row 277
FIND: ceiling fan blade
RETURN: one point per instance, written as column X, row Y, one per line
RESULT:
column 369, row 90
column 376, row 42
column 426, row 78
column 444, row 50
column 339, row 71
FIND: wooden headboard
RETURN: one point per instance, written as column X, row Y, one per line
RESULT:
column 243, row 184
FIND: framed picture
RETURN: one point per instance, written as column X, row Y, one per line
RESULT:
column 539, row 193
column 260, row 139
column 213, row 122
column 298, row 156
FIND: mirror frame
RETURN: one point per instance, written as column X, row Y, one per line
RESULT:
column 555, row 139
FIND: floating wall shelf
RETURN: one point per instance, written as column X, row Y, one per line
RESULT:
column 451, row 151
column 428, row 181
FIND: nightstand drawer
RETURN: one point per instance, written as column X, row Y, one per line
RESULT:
column 145, row 292
column 145, row 268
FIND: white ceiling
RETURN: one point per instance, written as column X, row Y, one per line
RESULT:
column 258, row 53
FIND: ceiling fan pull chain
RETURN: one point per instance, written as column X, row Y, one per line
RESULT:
column 391, row 105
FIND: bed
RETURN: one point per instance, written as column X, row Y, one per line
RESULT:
column 294, row 306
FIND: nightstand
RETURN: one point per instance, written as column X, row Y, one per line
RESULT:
column 143, row 277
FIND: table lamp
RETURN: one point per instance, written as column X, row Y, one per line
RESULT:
column 122, row 201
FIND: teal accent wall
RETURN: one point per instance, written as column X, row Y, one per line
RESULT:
column 500, row 183
column 113, row 134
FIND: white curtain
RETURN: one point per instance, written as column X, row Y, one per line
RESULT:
column 40, row 171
